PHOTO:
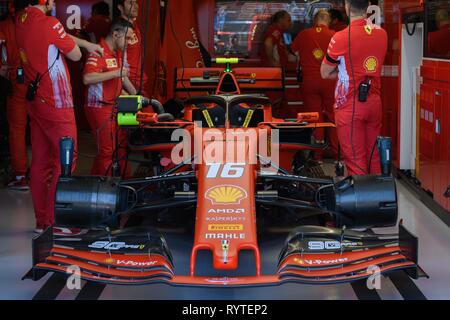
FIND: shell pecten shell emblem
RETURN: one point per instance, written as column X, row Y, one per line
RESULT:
column 318, row 53
column 226, row 194
column 370, row 64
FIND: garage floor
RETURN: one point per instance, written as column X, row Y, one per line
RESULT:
column 17, row 223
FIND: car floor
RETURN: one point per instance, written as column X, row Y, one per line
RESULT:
column 16, row 232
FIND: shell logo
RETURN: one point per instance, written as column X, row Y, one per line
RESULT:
column 23, row 56
column 370, row 64
column 226, row 194
column 318, row 53
column 318, row 29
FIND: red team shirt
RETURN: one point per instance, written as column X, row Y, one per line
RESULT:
column 439, row 41
column 38, row 51
column 8, row 34
column 279, row 46
column 103, row 93
column 367, row 60
column 134, row 58
column 311, row 44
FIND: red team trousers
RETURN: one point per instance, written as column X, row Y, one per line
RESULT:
column 366, row 128
column 318, row 96
column 17, row 122
column 103, row 126
column 48, row 125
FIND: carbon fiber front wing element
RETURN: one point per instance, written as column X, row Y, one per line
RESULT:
column 311, row 255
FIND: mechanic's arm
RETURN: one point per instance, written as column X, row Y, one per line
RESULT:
column 292, row 55
column 268, row 46
column 328, row 72
column 59, row 38
column 74, row 54
column 92, row 48
column 4, row 68
column 128, row 86
column 336, row 48
column 292, row 58
column 97, row 77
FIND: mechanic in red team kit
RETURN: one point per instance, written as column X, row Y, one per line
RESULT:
column 105, row 78
column 97, row 26
column 43, row 45
column 318, row 94
column 129, row 10
column 274, row 52
column 355, row 56
column 439, row 40
column 16, row 110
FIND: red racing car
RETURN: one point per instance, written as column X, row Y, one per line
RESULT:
column 227, row 172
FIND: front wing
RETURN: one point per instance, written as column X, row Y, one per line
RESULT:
column 150, row 261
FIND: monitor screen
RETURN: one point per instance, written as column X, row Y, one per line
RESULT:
column 239, row 26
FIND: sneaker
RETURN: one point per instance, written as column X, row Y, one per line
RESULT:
column 58, row 231
column 19, row 184
column 38, row 230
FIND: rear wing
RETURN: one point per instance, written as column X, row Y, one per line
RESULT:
column 249, row 79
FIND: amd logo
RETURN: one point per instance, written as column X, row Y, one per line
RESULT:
column 226, row 211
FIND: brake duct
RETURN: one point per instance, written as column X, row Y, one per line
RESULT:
column 357, row 201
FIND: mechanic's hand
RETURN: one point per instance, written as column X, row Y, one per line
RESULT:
column 4, row 71
column 124, row 72
column 94, row 49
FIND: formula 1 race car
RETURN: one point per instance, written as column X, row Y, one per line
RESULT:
column 228, row 174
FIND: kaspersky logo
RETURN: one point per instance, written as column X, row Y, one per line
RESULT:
column 226, row 194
